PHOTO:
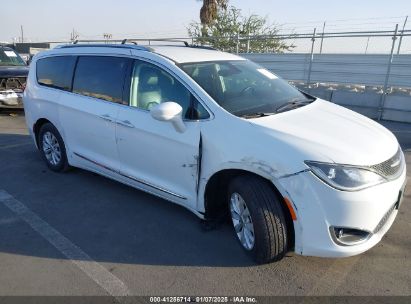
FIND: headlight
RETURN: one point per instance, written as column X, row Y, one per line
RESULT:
column 344, row 177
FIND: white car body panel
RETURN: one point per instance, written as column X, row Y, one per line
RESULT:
column 180, row 55
column 92, row 136
column 349, row 138
column 151, row 154
column 360, row 209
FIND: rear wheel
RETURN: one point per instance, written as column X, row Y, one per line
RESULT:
column 258, row 218
column 52, row 148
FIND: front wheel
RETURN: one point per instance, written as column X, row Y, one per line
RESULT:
column 258, row 218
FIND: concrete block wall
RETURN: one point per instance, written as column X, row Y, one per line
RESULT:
column 354, row 81
column 396, row 107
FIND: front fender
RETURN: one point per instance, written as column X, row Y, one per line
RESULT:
column 259, row 168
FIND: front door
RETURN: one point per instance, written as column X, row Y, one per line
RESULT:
column 152, row 153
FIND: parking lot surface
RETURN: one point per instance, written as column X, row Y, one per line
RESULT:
column 82, row 234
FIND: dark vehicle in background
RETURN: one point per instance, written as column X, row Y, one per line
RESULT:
column 13, row 76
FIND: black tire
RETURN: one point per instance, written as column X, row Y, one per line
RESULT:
column 267, row 215
column 62, row 165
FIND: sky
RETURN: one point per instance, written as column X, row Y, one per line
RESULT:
column 55, row 19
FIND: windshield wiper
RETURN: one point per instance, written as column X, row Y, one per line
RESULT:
column 256, row 115
column 293, row 104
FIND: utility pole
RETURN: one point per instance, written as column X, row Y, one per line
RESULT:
column 74, row 35
column 237, row 46
column 322, row 39
column 22, row 35
column 311, row 58
column 402, row 32
column 366, row 46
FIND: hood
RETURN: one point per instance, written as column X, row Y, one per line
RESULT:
column 323, row 131
column 13, row 71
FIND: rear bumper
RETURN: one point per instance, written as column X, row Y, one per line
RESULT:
column 319, row 207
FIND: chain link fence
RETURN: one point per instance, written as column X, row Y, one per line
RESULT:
column 367, row 71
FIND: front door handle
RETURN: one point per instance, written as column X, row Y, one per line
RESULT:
column 125, row 123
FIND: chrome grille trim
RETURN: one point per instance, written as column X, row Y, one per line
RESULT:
column 384, row 219
column 391, row 168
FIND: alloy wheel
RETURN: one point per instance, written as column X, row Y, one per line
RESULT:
column 242, row 221
column 51, row 148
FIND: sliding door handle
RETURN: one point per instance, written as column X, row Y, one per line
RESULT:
column 125, row 123
column 107, row 117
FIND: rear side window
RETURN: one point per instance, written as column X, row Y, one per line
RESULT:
column 56, row 72
column 101, row 77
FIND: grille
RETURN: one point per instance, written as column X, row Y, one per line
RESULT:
column 391, row 168
column 15, row 84
column 384, row 219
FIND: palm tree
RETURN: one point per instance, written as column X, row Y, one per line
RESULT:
column 208, row 12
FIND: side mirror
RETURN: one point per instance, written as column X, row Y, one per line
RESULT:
column 169, row 111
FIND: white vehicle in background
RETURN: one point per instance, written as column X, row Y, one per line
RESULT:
column 218, row 134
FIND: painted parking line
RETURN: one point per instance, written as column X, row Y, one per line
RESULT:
column 109, row 282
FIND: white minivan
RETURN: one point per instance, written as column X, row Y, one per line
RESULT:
column 221, row 136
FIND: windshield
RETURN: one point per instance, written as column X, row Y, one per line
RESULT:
column 244, row 88
column 10, row 57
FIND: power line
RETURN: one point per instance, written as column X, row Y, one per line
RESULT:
column 343, row 20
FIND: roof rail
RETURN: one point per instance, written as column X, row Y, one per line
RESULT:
column 109, row 45
column 130, row 43
column 114, row 42
column 157, row 40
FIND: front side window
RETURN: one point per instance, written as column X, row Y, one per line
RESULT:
column 151, row 85
column 244, row 88
column 101, row 77
column 56, row 72
column 8, row 57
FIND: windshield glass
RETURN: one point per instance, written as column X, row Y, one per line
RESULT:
column 244, row 88
column 10, row 57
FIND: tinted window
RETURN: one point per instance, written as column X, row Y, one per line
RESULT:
column 101, row 77
column 150, row 86
column 56, row 72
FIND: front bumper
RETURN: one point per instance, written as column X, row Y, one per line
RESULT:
column 11, row 99
column 319, row 207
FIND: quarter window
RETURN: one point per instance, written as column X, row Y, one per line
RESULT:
column 56, row 72
column 101, row 77
column 150, row 86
